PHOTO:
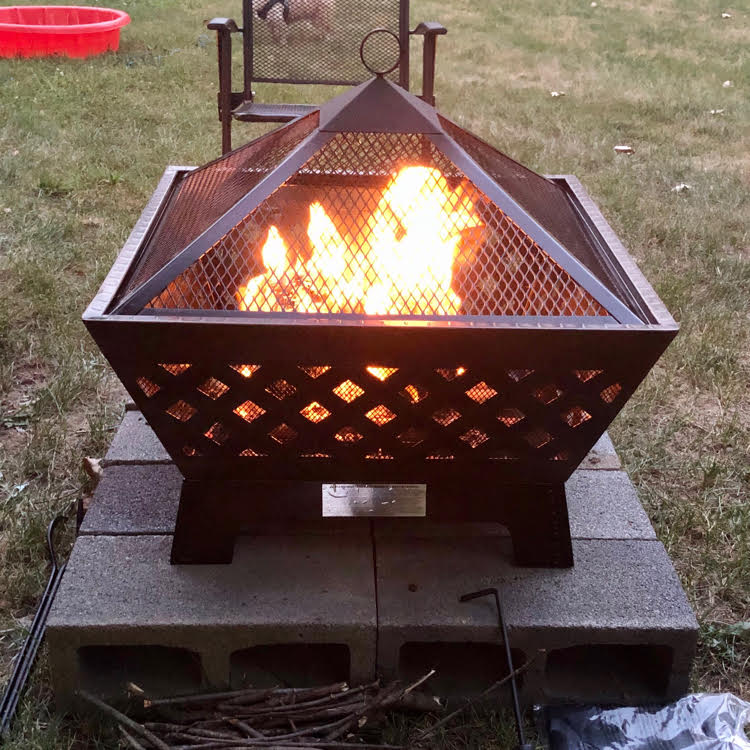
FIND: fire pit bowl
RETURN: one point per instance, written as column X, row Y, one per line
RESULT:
column 68, row 30
column 371, row 294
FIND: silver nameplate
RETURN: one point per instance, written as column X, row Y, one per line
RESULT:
column 345, row 500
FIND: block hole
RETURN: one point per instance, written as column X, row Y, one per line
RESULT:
column 608, row 673
column 462, row 669
column 290, row 665
column 159, row 670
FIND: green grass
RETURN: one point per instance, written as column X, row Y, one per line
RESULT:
column 82, row 144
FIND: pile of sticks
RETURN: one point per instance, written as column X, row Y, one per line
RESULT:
column 282, row 718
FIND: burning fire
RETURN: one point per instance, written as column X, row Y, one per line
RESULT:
column 400, row 262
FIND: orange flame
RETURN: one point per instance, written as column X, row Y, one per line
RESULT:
column 400, row 262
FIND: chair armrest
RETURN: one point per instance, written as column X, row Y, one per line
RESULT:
column 222, row 24
column 429, row 28
column 224, row 28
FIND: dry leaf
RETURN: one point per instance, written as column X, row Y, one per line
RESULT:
column 93, row 467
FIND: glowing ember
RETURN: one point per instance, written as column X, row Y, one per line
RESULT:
column 401, row 262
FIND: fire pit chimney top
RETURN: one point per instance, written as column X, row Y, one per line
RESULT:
column 378, row 106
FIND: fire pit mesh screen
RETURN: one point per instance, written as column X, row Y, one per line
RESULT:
column 539, row 196
column 207, row 193
column 377, row 413
column 361, row 229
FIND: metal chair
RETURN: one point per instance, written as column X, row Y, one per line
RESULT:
column 315, row 42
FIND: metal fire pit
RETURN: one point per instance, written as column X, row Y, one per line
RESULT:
column 263, row 381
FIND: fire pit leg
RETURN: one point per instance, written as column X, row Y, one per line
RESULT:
column 204, row 532
column 541, row 538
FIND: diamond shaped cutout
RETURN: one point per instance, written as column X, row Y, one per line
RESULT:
column 451, row 373
column 382, row 373
column 250, row 453
column 175, row 369
column 282, row 434
column 503, row 455
column 218, row 433
column 213, row 388
column 280, row 389
column 315, row 412
column 247, row 371
column 445, row 417
column 585, row 375
column 315, row 371
column 249, row 411
column 474, row 437
column 575, row 416
column 538, row 438
column 609, row 394
column 380, row 415
column 518, row 375
column 148, row 387
column 481, row 392
column 348, row 391
column 379, row 455
column 411, row 437
column 510, row 416
column 181, row 410
column 348, row 435
column 546, row 394
column 413, row 393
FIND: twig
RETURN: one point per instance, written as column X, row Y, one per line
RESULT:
column 208, row 698
column 123, row 720
column 246, row 728
column 130, row 740
column 431, row 730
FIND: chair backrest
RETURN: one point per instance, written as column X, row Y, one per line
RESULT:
column 318, row 41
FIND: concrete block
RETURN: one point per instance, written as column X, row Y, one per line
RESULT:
column 616, row 626
column 602, row 455
column 134, row 499
column 605, row 505
column 135, row 443
column 120, row 595
column 143, row 499
column 601, row 505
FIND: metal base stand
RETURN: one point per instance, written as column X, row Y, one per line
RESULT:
column 212, row 514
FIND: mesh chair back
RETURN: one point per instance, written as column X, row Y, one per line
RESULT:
column 318, row 41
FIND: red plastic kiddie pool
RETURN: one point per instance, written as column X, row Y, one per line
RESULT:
column 69, row 30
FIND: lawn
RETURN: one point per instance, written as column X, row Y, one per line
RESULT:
column 82, row 144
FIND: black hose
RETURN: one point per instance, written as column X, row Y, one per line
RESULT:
column 27, row 655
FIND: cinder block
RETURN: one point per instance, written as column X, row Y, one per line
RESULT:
column 135, row 443
column 605, row 505
column 602, row 455
column 621, row 607
column 120, row 592
column 134, row 499
column 143, row 499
